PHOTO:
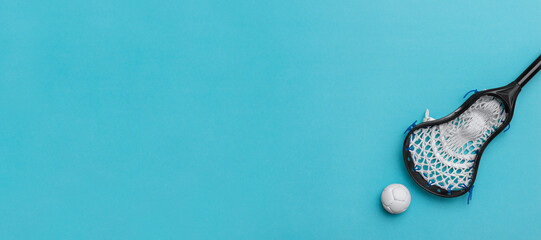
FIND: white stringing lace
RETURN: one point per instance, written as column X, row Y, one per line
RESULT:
column 444, row 154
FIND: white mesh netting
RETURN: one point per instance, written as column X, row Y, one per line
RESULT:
column 444, row 154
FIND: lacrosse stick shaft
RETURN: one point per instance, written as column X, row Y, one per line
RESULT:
column 529, row 72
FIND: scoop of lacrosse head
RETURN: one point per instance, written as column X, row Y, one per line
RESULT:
column 442, row 155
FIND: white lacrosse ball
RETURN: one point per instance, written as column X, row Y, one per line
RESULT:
column 395, row 198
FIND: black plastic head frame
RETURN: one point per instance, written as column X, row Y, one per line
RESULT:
column 507, row 95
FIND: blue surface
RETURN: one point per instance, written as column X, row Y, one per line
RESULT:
column 255, row 119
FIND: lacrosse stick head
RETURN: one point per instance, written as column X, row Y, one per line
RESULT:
column 442, row 156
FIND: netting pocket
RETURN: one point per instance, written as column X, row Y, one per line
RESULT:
column 444, row 154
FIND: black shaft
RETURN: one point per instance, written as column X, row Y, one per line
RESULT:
column 529, row 72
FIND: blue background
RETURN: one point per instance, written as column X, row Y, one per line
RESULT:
column 255, row 119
